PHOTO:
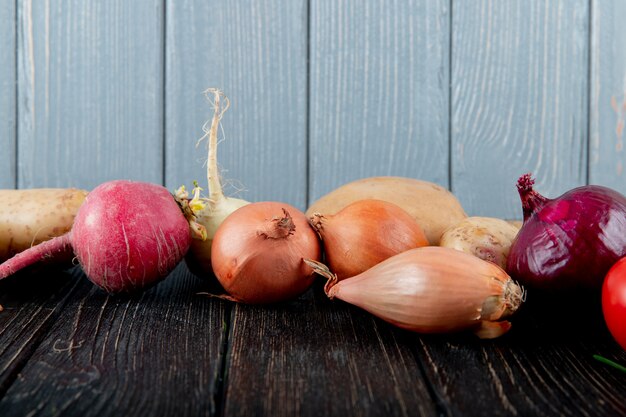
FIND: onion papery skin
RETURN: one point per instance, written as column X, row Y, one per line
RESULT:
column 569, row 242
column 364, row 234
column 256, row 269
column 434, row 290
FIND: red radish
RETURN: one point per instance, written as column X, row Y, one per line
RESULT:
column 126, row 236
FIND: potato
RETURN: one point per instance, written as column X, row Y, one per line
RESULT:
column 487, row 238
column 29, row 217
column 432, row 206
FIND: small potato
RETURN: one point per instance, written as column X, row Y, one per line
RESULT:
column 31, row 216
column 484, row 237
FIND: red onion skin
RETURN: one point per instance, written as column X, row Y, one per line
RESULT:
column 569, row 242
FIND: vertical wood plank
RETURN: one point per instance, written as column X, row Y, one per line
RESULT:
column 91, row 92
column 608, row 94
column 8, row 91
column 379, row 91
column 519, row 100
column 255, row 51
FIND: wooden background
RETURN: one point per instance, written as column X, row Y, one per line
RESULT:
column 468, row 94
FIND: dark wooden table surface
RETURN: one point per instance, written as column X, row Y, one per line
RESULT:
column 67, row 348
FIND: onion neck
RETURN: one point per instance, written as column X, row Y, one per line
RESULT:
column 316, row 222
column 532, row 201
column 278, row 227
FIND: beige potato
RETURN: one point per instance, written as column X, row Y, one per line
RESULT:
column 487, row 238
column 29, row 217
column 432, row 206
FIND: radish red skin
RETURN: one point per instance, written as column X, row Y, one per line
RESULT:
column 126, row 236
column 129, row 235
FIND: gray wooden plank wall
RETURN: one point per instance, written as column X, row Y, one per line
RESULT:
column 256, row 52
column 468, row 94
column 608, row 94
column 519, row 100
column 90, row 92
column 8, row 91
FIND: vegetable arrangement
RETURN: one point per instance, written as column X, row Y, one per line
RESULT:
column 400, row 248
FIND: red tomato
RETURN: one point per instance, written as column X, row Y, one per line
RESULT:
column 614, row 301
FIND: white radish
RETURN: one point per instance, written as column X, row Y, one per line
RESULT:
column 209, row 212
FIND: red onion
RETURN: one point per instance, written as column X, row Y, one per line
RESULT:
column 571, row 241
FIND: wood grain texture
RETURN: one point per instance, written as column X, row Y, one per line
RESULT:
column 543, row 366
column 379, row 91
column 8, row 92
column 519, row 100
column 31, row 303
column 313, row 357
column 255, row 51
column 608, row 94
column 155, row 353
column 91, row 92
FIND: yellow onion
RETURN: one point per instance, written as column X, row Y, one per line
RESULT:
column 432, row 290
column 258, row 252
column 364, row 234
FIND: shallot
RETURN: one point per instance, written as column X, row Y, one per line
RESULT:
column 432, row 290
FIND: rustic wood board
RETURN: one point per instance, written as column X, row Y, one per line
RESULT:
column 519, row 100
column 379, row 87
column 8, row 92
column 90, row 92
column 156, row 353
column 255, row 51
column 608, row 94
column 544, row 366
column 313, row 357
column 31, row 303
